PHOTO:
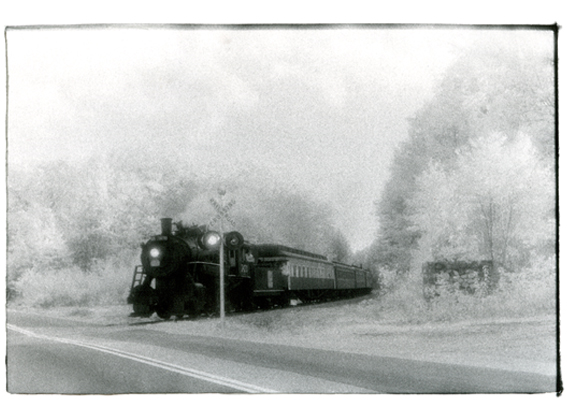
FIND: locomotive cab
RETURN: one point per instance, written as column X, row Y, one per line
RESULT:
column 241, row 262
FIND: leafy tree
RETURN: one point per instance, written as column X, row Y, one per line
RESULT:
column 100, row 208
column 338, row 248
column 496, row 204
column 265, row 213
column 491, row 88
column 34, row 240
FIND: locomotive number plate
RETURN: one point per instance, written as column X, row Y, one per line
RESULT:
column 154, row 263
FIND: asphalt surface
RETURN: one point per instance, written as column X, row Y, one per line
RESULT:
column 47, row 355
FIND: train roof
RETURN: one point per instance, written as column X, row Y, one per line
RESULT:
column 352, row 266
column 274, row 250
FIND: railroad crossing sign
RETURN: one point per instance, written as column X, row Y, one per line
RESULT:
column 222, row 211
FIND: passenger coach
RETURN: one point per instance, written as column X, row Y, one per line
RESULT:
column 309, row 276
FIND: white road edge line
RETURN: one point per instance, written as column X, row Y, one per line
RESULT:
column 228, row 382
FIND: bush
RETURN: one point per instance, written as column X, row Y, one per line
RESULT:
column 530, row 291
column 107, row 283
column 527, row 293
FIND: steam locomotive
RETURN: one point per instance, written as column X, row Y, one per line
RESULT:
column 180, row 274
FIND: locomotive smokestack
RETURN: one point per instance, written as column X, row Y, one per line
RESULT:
column 166, row 226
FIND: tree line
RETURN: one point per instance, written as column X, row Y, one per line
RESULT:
column 65, row 215
column 475, row 180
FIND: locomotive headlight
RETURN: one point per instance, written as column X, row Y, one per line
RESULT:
column 154, row 252
column 212, row 239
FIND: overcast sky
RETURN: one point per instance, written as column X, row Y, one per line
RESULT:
column 321, row 110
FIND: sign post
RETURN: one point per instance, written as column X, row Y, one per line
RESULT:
column 222, row 214
column 221, row 270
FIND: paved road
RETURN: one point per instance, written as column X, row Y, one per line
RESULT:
column 61, row 356
column 51, row 367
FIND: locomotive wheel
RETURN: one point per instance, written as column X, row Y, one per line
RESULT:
column 142, row 310
column 163, row 313
column 191, row 311
column 284, row 300
column 195, row 306
column 143, row 297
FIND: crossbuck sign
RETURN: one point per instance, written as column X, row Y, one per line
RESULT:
column 222, row 212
